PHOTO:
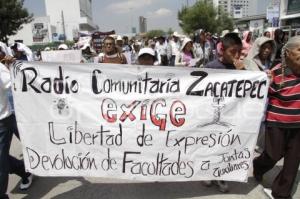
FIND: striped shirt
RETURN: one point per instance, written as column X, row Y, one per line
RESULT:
column 284, row 100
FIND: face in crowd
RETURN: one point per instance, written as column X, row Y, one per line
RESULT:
column 188, row 47
column 232, row 54
column 136, row 48
column 109, row 45
column 267, row 34
column 293, row 58
column 265, row 51
column 202, row 37
column 120, row 43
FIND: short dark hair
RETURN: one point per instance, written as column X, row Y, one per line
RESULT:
column 231, row 39
column 109, row 38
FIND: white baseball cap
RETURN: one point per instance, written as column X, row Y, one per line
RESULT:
column 148, row 51
column 63, row 47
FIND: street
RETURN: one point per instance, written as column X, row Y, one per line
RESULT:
column 90, row 188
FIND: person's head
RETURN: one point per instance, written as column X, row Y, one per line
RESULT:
column 109, row 45
column 202, row 37
column 208, row 36
column 161, row 40
column 265, row 51
column 146, row 56
column 175, row 36
column 231, row 48
column 119, row 41
column 62, row 47
column 278, row 36
column 291, row 55
column 86, row 49
column 18, row 54
column 152, row 44
column 136, row 46
column 125, row 40
column 187, row 45
column 267, row 34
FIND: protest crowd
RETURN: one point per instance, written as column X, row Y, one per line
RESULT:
column 272, row 53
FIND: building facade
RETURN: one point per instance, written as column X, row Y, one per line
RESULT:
column 242, row 8
column 62, row 22
column 290, row 14
column 39, row 31
column 143, row 24
column 69, row 21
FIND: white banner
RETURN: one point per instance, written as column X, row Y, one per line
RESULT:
column 65, row 56
column 135, row 122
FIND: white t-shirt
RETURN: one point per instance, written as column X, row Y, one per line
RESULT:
column 5, row 85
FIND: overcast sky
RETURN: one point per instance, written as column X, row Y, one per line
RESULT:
column 120, row 15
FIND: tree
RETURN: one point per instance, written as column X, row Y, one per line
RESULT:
column 155, row 33
column 170, row 31
column 203, row 15
column 225, row 22
column 200, row 15
column 12, row 16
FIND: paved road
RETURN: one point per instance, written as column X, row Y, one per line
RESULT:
column 99, row 188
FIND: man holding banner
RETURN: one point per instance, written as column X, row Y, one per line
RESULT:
column 8, row 164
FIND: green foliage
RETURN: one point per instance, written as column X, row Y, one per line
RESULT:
column 203, row 15
column 12, row 16
column 155, row 33
column 52, row 45
column 225, row 22
column 170, row 31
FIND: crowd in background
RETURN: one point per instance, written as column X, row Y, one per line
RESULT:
column 273, row 53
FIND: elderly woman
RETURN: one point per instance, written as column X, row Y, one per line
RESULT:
column 282, row 123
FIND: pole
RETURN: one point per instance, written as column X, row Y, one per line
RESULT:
column 63, row 25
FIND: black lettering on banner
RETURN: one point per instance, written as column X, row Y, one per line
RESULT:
column 95, row 88
column 31, row 81
column 108, row 163
column 162, row 166
column 143, row 85
column 200, row 74
column 259, row 94
column 61, row 161
column 205, row 165
column 231, row 167
column 222, row 139
column 144, row 139
column 52, row 135
column 125, row 161
column 60, row 85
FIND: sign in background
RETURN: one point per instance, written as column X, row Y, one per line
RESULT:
column 65, row 56
column 139, row 123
